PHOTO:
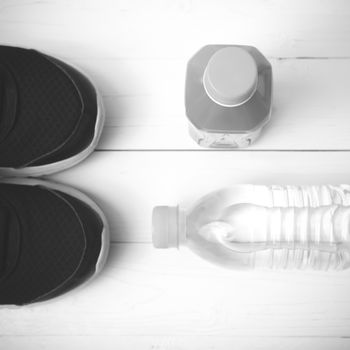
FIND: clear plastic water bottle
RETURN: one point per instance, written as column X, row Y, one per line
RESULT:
column 249, row 226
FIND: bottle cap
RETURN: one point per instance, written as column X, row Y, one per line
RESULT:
column 231, row 76
column 167, row 230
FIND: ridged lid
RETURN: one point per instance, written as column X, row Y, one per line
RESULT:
column 231, row 76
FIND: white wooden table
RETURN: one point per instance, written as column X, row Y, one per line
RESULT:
column 136, row 51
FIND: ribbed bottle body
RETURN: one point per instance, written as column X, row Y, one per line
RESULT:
column 277, row 227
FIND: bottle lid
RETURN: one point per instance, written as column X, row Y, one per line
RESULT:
column 231, row 76
column 168, row 227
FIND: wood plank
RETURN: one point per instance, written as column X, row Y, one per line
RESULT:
column 149, row 292
column 144, row 93
column 145, row 104
column 137, row 51
column 111, row 342
column 127, row 185
column 135, row 28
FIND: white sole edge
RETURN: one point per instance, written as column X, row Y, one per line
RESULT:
column 67, row 163
column 105, row 235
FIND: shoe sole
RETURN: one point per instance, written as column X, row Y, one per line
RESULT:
column 105, row 235
column 64, row 164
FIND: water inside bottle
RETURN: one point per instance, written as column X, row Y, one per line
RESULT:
column 298, row 228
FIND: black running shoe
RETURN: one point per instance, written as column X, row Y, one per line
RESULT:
column 52, row 239
column 50, row 114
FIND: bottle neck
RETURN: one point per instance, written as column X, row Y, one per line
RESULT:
column 169, row 227
column 182, row 227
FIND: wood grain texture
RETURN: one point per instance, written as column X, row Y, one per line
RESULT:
column 136, row 52
column 128, row 185
column 145, row 292
column 144, row 102
column 110, row 342
column 174, row 28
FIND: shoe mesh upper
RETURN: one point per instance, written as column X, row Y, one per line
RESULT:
column 52, row 245
column 49, row 107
